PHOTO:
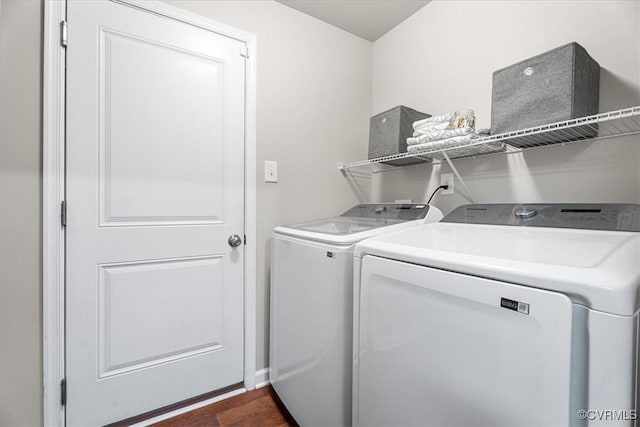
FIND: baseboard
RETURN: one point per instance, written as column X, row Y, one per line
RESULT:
column 184, row 410
column 262, row 378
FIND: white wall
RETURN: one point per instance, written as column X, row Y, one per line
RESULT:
column 442, row 58
column 20, row 219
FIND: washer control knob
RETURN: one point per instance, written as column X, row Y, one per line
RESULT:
column 380, row 209
column 524, row 212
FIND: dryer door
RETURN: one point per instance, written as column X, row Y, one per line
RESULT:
column 435, row 347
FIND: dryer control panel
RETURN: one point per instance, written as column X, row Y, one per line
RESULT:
column 588, row 216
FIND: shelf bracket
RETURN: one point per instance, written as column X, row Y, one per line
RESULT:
column 457, row 174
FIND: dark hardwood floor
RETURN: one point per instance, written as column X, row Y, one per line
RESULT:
column 259, row 407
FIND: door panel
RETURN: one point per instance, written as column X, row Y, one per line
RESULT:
column 139, row 303
column 181, row 182
column 439, row 348
column 155, row 186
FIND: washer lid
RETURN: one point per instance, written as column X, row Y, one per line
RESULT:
column 339, row 230
column 360, row 222
column 341, row 226
column 595, row 268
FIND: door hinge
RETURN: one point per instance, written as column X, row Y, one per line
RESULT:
column 63, row 33
column 244, row 51
column 245, row 239
column 63, row 213
column 63, row 392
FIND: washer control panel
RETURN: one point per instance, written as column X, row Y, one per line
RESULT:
column 401, row 211
column 616, row 217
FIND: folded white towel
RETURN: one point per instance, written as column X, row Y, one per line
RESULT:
column 431, row 127
column 435, row 135
column 442, row 143
column 434, row 119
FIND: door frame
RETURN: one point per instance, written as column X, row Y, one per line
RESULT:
column 53, row 193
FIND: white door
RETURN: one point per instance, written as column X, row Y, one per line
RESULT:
column 155, row 187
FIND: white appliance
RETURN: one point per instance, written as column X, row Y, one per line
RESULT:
column 311, row 306
column 500, row 315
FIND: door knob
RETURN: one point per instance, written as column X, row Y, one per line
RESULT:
column 235, row 241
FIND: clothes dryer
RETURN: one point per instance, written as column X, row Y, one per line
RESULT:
column 500, row 315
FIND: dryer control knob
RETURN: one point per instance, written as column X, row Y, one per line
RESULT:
column 524, row 212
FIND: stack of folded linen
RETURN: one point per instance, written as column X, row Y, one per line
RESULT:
column 432, row 123
column 437, row 132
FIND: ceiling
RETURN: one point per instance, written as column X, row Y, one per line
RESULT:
column 369, row 19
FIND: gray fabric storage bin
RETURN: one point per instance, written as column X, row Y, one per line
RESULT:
column 388, row 133
column 558, row 85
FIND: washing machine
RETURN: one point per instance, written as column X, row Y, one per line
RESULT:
column 500, row 315
column 311, row 306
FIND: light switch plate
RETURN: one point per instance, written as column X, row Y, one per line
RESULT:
column 270, row 171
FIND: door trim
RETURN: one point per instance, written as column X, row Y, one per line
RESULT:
column 53, row 192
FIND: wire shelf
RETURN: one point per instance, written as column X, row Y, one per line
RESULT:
column 605, row 125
